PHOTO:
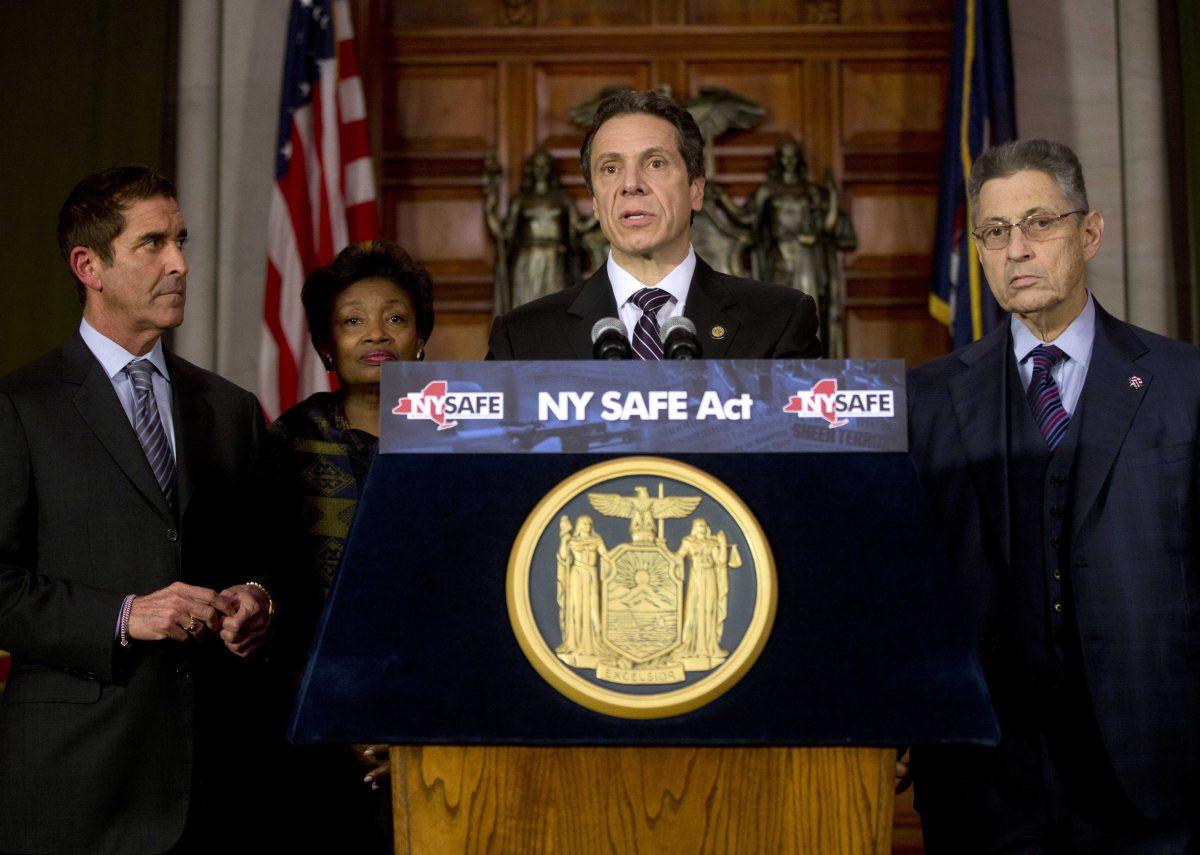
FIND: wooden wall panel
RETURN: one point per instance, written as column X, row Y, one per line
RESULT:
column 407, row 15
column 891, row 220
column 891, row 112
column 560, row 86
column 890, row 332
column 442, row 108
column 894, row 279
column 517, row 105
column 888, row 275
column 589, row 13
column 458, row 335
column 882, row 101
column 444, row 228
column 761, row 12
column 443, row 225
column 896, row 11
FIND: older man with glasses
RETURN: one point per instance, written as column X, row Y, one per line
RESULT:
column 1059, row 455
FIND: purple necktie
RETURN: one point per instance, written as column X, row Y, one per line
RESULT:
column 1043, row 395
column 646, row 343
column 149, row 427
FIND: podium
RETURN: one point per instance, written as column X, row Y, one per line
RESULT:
column 499, row 745
column 664, row 800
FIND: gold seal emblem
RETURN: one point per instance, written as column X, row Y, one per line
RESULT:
column 717, row 332
column 659, row 624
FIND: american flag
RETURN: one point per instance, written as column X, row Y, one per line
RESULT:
column 324, row 194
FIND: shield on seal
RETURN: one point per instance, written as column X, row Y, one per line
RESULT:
column 641, row 601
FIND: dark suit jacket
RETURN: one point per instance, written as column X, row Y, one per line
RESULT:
column 1135, row 524
column 100, row 746
column 760, row 321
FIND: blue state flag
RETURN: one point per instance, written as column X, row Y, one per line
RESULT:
column 980, row 113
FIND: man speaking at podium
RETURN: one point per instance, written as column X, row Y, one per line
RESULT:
column 643, row 163
column 1059, row 456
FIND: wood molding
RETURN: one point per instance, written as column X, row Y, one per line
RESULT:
column 882, row 41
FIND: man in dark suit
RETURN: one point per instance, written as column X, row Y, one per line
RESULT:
column 643, row 163
column 129, row 590
column 1059, row 457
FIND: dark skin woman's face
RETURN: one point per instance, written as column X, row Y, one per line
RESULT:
column 372, row 322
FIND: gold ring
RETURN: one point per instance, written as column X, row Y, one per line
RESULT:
column 192, row 625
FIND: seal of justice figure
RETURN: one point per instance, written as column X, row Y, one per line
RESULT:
column 641, row 588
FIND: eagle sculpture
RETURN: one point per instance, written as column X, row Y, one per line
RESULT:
column 643, row 510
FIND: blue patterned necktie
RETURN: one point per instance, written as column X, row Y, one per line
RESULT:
column 646, row 343
column 149, row 427
column 1043, row 395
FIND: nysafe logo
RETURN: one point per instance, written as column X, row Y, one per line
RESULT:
column 837, row 406
column 444, row 408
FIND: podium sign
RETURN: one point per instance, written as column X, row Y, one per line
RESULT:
column 761, row 570
column 634, row 407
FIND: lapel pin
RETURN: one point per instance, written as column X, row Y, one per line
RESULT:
column 717, row 332
column 1135, row 382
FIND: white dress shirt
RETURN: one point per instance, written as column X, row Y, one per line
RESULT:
column 676, row 283
column 1076, row 342
column 113, row 358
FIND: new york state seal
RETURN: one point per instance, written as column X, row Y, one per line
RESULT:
column 641, row 588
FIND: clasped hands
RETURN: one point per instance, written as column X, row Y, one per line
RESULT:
column 239, row 615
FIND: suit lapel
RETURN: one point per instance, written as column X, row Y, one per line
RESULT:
column 97, row 403
column 193, row 428
column 707, row 307
column 595, row 301
column 1108, row 405
column 980, row 398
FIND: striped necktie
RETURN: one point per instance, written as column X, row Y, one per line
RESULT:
column 646, row 343
column 149, row 427
column 1043, row 395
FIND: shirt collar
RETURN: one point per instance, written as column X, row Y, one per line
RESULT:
column 1076, row 340
column 676, row 283
column 113, row 358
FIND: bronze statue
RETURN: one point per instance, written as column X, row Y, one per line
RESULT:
column 798, row 233
column 537, row 247
column 721, row 231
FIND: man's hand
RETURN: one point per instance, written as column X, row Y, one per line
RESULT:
column 171, row 611
column 246, row 627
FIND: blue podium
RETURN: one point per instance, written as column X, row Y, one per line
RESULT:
column 421, row 645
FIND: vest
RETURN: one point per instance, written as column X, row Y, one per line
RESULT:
column 1039, row 685
column 1040, row 637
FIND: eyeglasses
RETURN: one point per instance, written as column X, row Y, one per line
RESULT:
column 1038, row 227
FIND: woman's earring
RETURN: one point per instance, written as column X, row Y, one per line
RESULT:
column 326, row 361
column 420, row 354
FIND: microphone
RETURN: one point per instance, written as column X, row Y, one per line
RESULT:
column 679, row 339
column 609, row 341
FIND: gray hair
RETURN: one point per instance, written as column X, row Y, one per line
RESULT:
column 1052, row 158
